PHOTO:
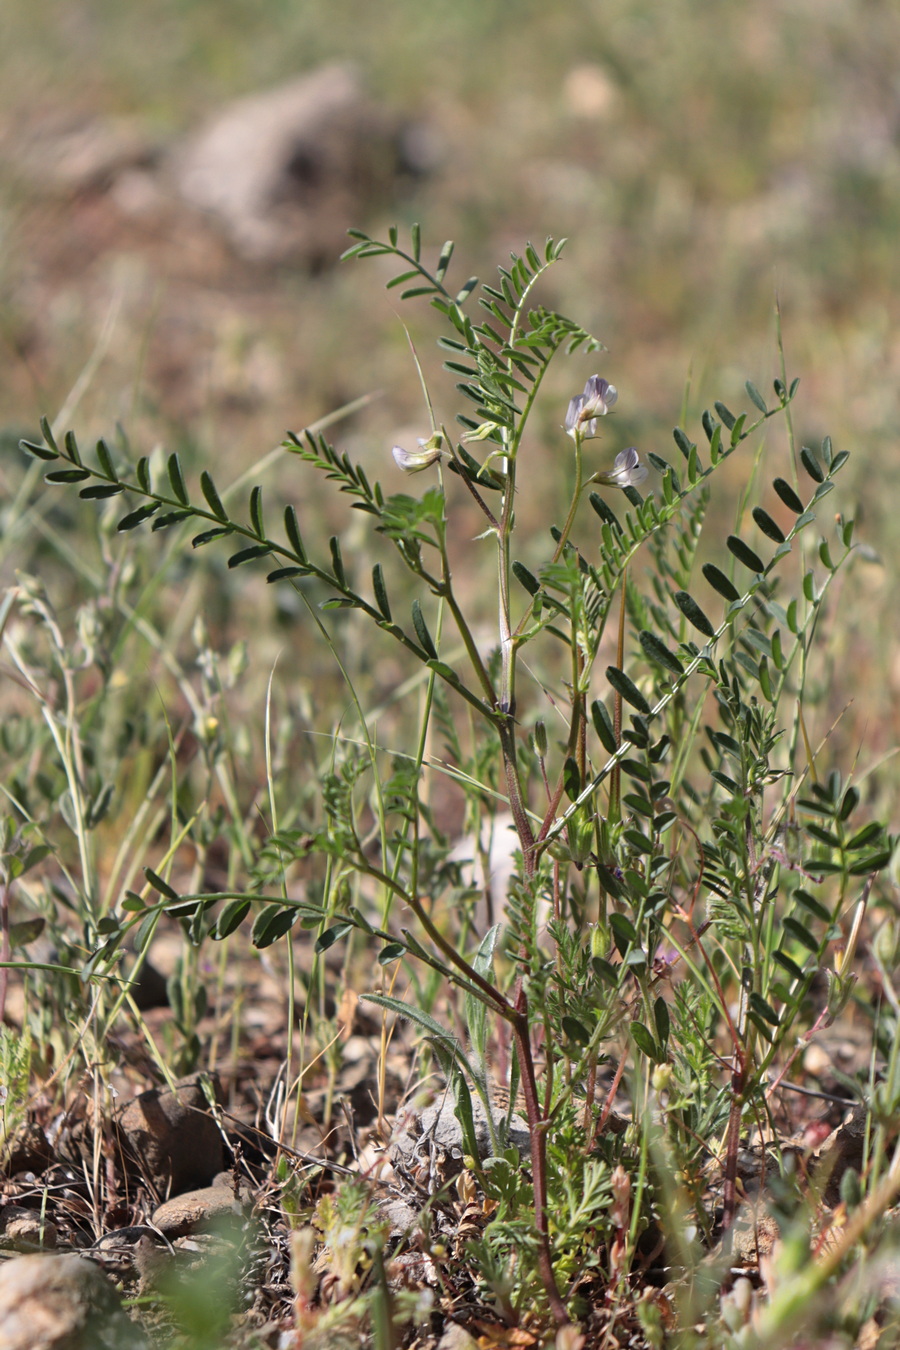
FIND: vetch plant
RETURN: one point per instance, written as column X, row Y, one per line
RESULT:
column 687, row 868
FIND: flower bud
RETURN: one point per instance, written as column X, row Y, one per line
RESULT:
column 540, row 738
column 661, row 1077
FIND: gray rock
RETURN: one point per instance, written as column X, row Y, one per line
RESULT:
column 432, row 1139
column 456, row 1337
column 400, row 1215
column 61, row 1303
column 172, row 1138
column 287, row 172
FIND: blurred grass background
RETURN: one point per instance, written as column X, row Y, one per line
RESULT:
column 703, row 156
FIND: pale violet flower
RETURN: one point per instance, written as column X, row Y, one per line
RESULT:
column 627, row 471
column 414, row 461
column 584, row 409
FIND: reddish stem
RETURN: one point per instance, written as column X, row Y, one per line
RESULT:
column 732, row 1145
column 536, row 1124
column 5, row 948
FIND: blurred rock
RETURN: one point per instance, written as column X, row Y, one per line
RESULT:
column 83, row 156
column 590, row 92
column 195, row 1211
column 402, row 1216
column 844, row 1148
column 456, row 1337
column 287, row 172
column 23, row 1230
column 27, row 1151
column 172, row 1137
column 61, row 1303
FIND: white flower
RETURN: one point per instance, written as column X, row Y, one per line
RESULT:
column 414, row 461
column 584, row 409
column 627, row 471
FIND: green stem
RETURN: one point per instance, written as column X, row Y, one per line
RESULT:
column 615, row 786
column 576, row 495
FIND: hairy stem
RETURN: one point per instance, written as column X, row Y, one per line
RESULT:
column 5, row 948
column 536, row 1129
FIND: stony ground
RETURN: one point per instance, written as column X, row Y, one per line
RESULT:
column 198, row 1216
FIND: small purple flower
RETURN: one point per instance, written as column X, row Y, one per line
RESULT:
column 627, row 471
column 584, row 409
column 414, row 461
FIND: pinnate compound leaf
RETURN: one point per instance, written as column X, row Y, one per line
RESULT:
column 755, row 396
column 811, row 465
column 657, row 651
column 232, row 915
column 719, row 582
column 248, row 554
column 693, row 613
column 788, row 496
column 100, row 491
column 446, row 672
column 171, row 518
column 763, row 1009
column 745, row 554
column 337, row 560
column 213, row 500
column 603, row 726
column 526, row 578
column 292, row 530
column 72, row 450
column 158, row 884
column 25, row 931
column 768, row 525
column 47, row 433
column 628, row 689
column 286, row 573
column 683, row 441
column 422, row 632
column 38, row 451
column 782, row 959
column 137, row 517
column 801, row 934
column 208, row 535
column 176, row 479
column 571, row 778
column 256, row 512
column 272, row 923
column 611, row 883
column 643, row 1039
column 332, row 935
column 872, row 863
column 104, row 455
column 576, row 1031
column 381, row 595
column 663, row 1022
column 67, row 476
column 865, row 835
